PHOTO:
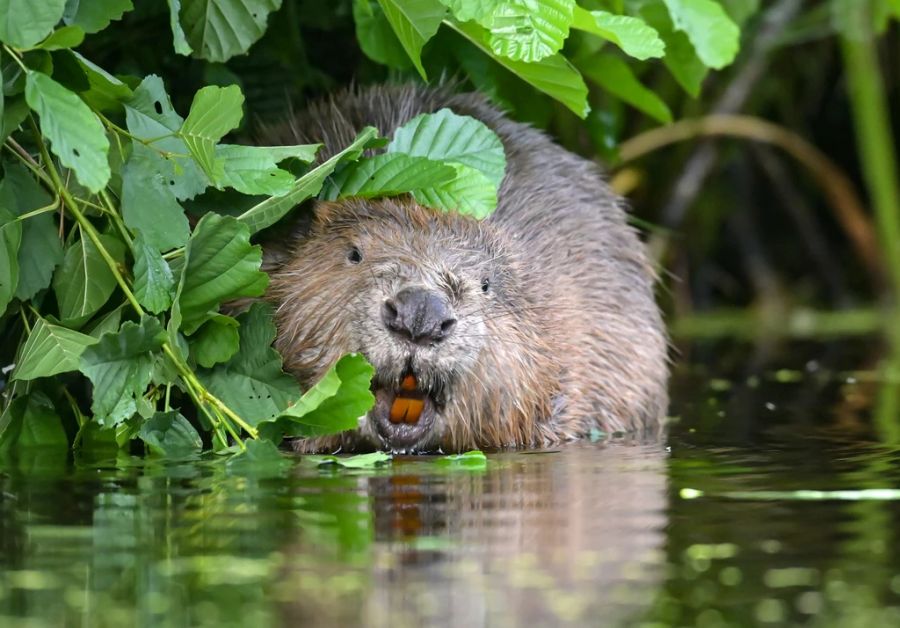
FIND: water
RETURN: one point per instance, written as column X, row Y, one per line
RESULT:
column 686, row 532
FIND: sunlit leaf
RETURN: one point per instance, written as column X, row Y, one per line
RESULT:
column 360, row 461
column 388, row 174
column 529, row 30
column 469, row 192
column 715, row 37
column 634, row 36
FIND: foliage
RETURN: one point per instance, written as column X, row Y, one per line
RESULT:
column 118, row 240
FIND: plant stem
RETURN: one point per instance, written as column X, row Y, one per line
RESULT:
column 876, row 148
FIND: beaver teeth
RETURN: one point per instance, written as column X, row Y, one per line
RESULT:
column 408, row 403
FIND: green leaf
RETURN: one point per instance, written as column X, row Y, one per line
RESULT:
column 109, row 322
column 15, row 110
column 388, row 174
column 633, row 35
column 553, row 75
column 254, row 169
column 214, row 112
column 220, row 265
column 217, row 30
column 104, row 91
column 478, row 10
column 216, row 341
column 149, row 205
column 32, row 421
column 715, row 37
column 179, row 39
column 150, row 116
column 252, row 383
column 271, row 210
column 414, row 22
column 612, row 74
column 359, row 461
column 335, row 403
column 63, row 38
column 470, row 460
column 376, row 37
column 154, row 283
column 171, row 435
column 26, row 22
column 469, row 193
column 95, row 15
column 50, row 350
column 446, row 136
column 10, row 239
column 84, row 282
column 742, row 10
column 529, row 30
column 259, row 457
column 119, row 366
column 75, row 133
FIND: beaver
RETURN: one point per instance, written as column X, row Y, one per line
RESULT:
column 531, row 327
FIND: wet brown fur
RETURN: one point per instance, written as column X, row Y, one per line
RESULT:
column 570, row 339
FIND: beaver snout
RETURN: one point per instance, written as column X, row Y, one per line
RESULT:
column 421, row 316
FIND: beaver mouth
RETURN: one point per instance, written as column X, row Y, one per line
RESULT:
column 404, row 415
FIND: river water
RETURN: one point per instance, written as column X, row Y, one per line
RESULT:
column 771, row 502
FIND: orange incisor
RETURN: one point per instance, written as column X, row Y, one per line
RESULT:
column 408, row 404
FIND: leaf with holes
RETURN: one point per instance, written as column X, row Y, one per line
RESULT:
column 446, row 136
column 119, row 366
column 50, row 350
column 633, row 35
column 26, row 22
column 75, row 133
column 252, row 383
column 214, row 112
column 217, row 30
column 529, row 30
column 414, row 22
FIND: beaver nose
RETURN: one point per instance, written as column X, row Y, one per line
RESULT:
column 421, row 316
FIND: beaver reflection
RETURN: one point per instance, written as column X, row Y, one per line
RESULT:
column 568, row 538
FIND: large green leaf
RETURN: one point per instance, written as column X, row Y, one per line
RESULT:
column 179, row 42
column 105, row 91
column 469, row 192
column 414, row 22
column 715, row 37
column 119, row 366
column 446, row 136
column 50, row 350
column 217, row 30
column 553, row 75
column 335, row 403
column 40, row 251
column 252, row 383
column 92, row 16
column 220, row 265
column 216, row 341
column 75, row 133
column 32, row 421
column 388, row 174
column 149, row 205
column 150, row 116
column 63, row 38
column 23, row 23
column 633, row 35
column 84, row 282
column 154, row 283
column 529, row 30
column 254, row 169
column 271, row 210
column 376, row 37
column 10, row 239
column 170, row 434
column 478, row 10
column 681, row 59
column 214, row 112
column 613, row 74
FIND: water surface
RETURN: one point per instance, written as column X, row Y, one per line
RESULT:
column 765, row 506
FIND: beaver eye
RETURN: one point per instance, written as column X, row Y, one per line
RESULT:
column 485, row 285
column 354, row 256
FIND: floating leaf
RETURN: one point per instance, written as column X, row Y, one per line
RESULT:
column 50, row 350
column 119, row 366
column 75, row 133
column 359, row 461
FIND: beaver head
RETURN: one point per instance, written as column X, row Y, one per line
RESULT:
column 437, row 303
